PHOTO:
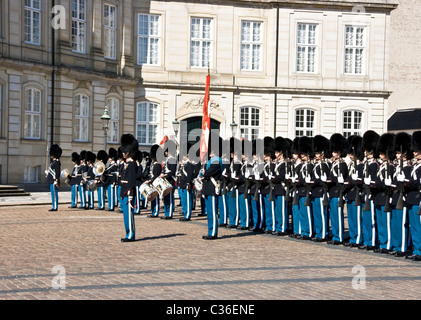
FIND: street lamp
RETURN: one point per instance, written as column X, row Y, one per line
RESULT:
column 105, row 125
column 176, row 126
column 233, row 128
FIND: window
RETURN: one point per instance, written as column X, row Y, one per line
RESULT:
column 110, row 31
column 81, row 118
column 147, row 122
column 32, row 125
column 32, row 21
column 114, row 110
column 304, row 123
column 307, row 42
column 352, row 123
column 78, row 25
column 251, row 45
column 200, row 42
column 31, row 174
column 354, row 49
column 250, row 122
column 148, row 39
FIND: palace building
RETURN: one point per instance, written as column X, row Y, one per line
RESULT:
column 278, row 68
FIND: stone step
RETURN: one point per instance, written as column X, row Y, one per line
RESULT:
column 12, row 191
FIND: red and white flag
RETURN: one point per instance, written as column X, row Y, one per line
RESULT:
column 204, row 139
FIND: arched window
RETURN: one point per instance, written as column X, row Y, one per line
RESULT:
column 352, row 120
column 114, row 110
column 81, row 118
column 147, row 122
column 304, row 122
column 32, row 125
column 250, row 122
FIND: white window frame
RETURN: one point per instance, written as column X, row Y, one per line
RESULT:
column 110, row 31
column 79, row 26
column 147, row 122
column 113, row 134
column 251, row 49
column 33, row 10
column 152, row 36
column 305, row 129
column 250, row 122
column 307, row 42
column 353, row 116
column 201, row 42
column 33, row 109
column 82, row 117
column 351, row 50
column 31, row 171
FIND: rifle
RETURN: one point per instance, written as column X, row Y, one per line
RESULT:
column 388, row 189
column 401, row 189
column 357, row 188
column 342, row 188
column 367, row 190
column 307, row 201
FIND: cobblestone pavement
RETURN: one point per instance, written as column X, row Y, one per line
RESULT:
column 80, row 253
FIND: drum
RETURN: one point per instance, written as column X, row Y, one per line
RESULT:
column 148, row 192
column 92, row 186
column 162, row 186
column 198, row 185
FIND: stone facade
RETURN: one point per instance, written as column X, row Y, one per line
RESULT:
column 275, row 90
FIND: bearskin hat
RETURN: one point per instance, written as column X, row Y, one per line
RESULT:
column 236, row 147
column 305, row 146
column 416, row 141
column 370, row 139
column 269, row 147
column 112, row 154
column 338, row 143
column 402, row 144
column 119, row 153
column 76, row 157
column 355, row 146
column 385, row 145
column 320, row 144
column 153, row 152
column 90, row 156
column 55, row 151
column 281, row 145
column 83, row 155
column 102, row 156
column 138, row 156
column 295, row 146
column 129, row 144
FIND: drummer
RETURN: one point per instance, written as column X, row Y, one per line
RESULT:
column 155, row 172
column 185, row 184
column 168, row 172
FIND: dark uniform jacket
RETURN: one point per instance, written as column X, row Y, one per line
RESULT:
column 414, row 193
column 354, row 186
column 304, row 170
column 279, row 180
column 128, row 178
column 170, row 170
column 319, row 187
column 186, row 176
column 73, row 176
column 213, row 169
column 54, row 171
column 381, row 190
column 337, row 169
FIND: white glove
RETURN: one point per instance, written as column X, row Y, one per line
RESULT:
column 401, row 177
column 287, row 176
column 323, row 177
column 388, row 182
column 340, row 179
column 354, row 176
column 46, row 172
column 367, row 181
column 294, row 179
column 308, row 179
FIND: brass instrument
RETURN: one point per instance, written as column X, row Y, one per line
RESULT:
column 65, row 174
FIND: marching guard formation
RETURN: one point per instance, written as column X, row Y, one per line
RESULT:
column 303, row 188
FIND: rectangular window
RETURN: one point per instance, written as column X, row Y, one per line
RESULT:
column 81, row 118
column 32, row 125
column 200, row 42
column 352, row 123
column 307, row 47
column 251, row 45
column 304, row 123
column 250, row 123
column 147, row 122
column 114, row 111
column 33, row 21
column 110, row 31
column 148, row 39
column 31, row 174
column 79, row 26
column 355, row 48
